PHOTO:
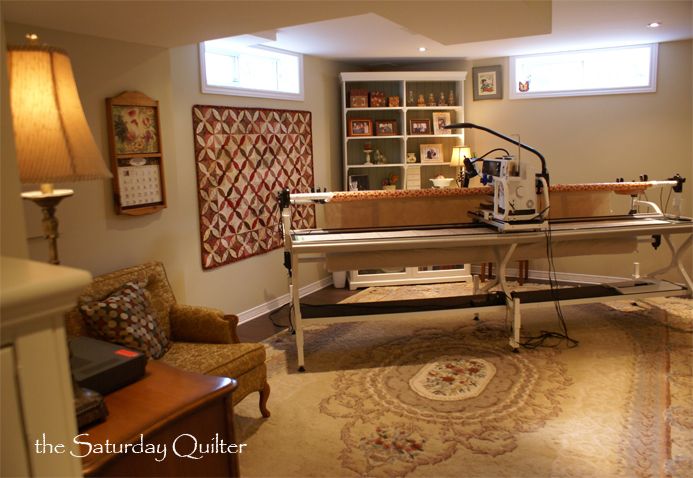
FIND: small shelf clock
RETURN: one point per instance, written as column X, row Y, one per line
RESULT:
column 134, row 140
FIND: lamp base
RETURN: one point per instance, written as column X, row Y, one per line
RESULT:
column 48, row 202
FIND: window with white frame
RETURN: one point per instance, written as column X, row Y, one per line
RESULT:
column 231, row 69
column 605, row 71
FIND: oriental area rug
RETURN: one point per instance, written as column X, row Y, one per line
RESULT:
column 447, row 397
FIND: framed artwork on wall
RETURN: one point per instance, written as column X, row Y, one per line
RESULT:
column 488, row 82
column 134, row 140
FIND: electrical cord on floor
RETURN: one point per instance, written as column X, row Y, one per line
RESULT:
column 541, row 339
column 276, row 311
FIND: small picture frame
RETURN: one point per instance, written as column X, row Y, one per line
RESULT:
column 393, row 101
column 419, row 126
column 431, row 153
column 358, row 182
column 360, row 127
column 386, row 128
column 488, row 82
column 439, row 120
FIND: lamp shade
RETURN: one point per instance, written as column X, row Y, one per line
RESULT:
column 458, row 155
column 52, row 138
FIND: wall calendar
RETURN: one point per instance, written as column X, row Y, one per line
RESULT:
column 138, row 181
column 136, row 158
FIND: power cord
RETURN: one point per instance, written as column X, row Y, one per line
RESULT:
column 276, row 311
column 541, row 339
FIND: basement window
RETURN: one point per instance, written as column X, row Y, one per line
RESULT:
column 258, row 71
column 605, row 71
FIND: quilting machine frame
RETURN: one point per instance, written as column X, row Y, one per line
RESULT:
column 419, row 246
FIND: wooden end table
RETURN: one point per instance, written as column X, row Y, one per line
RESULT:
column 168, row 408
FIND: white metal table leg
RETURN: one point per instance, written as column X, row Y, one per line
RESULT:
column 517, row 324
column 298, row 320
column 676, row 260
column 503, row 266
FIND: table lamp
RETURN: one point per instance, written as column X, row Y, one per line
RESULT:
column 459, row 153
column 52, row 138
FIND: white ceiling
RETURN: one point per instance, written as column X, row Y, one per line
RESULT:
column 575, row 25
column 373, row 32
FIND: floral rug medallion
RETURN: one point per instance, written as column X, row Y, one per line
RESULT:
column 453, row 378
column 425, row 395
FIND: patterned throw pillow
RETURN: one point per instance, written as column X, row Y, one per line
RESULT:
column 126, row 318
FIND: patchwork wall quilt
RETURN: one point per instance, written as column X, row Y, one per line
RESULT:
column 244, row 157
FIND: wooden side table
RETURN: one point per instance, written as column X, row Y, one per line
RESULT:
column 168, row 407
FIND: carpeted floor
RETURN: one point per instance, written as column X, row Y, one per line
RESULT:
column 448, row 398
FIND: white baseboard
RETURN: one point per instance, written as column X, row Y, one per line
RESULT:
column 274, row 304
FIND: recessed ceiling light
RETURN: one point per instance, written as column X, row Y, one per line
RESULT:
column 654, row 25
column 422, row 48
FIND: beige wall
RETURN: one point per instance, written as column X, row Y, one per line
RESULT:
column 257, row 280
column 93, row 237
column 584, row 139
column 600, row 138
column 12, row 227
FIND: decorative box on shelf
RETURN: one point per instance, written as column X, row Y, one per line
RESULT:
column 376, row 99
column 358, row 98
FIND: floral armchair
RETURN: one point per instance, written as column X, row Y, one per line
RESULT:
column 198, row 339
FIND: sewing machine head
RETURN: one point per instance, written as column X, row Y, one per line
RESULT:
column 516, row 183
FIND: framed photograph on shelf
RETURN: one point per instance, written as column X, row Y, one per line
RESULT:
column 431, row 153
column 385, row 127
column 358, row 182
column 419, row 126
column 488, row 82
column 360, row 127
column 440, row 120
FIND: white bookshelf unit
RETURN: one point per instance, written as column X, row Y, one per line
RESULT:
column 408, row 86
column 396, row 144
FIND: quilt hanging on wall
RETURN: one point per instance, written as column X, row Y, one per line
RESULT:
column 244, row 157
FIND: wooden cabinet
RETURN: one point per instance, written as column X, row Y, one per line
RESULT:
column 184, row 419
column 375, row 156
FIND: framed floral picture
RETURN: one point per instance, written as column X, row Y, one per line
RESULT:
column 135, row 129
column 134, row 142
column 488, row 82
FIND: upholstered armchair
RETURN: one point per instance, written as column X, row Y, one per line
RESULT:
column 198, row 339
